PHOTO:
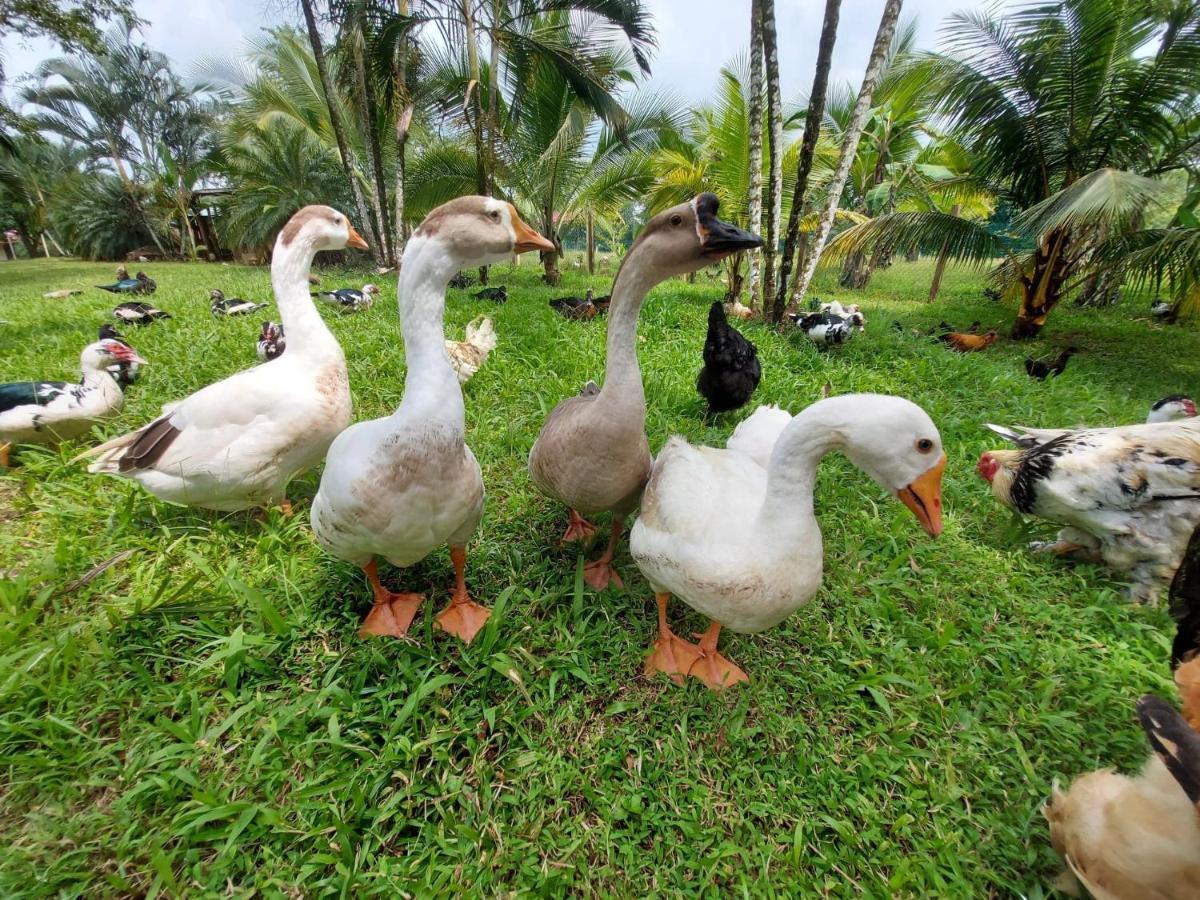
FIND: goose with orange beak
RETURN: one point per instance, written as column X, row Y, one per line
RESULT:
column 732, row 532
column 400, row 487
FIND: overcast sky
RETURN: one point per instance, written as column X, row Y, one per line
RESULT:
column 695, row 37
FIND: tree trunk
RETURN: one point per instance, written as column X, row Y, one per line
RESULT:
column 1042, row 288
column 774, row 146
column 403, row 123
column 855, row 272
column 493, row 119
column 335, row 119
column 943, row 256
column 912, row 254
column 812, row 128
column 550, row 273
column 474, row 108
column 755, row 200
column 368, row 112
column 883, row 39
column 1101, row 289
column 591, row 244
column 734, row 278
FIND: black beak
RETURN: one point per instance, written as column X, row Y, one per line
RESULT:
column 718, row 239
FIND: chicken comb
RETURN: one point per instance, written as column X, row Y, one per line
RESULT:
column 1176, row 744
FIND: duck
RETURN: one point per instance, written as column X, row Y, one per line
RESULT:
column 738, row 542
column 823, row 328
column 1160, row 309
column 461, row 280
column 236, row 443
column 46, row 412
column 581, row 308
column 63, row 294
column 852, row 313
column 1133, row 837
column 135, row 312
column 609, row 423
column 468, row 356
column 602, row 304
column 400, row 487
column 1041, row 369
column 231, row 306
column 731, row 368
column 1172, row 408
column 139, row 284
column 495, row 294
column 1129, row 496
column 271, row 342
column 124, row 371
column 350, row 299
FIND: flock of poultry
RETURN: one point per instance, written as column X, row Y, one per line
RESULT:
column 730, row 531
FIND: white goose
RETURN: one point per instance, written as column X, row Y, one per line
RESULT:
column 402, row 486
column 236, row 443
column 45, row 412
column 739, row 542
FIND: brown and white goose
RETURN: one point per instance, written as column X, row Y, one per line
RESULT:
column 592, row 454
column 236, row 443
column 402, row 486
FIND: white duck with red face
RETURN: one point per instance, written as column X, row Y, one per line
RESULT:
column 45, row 412
column 236, row 443
column 402, row 486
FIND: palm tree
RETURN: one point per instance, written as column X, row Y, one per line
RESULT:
column 774, row 145
column 337, row 126
column 883, row 40
column 1061, row 109
column 755, row 159
column 808, row 149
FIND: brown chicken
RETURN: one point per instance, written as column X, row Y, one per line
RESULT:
column 969, row 343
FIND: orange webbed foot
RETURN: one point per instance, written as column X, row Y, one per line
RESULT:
column 671, row 655
column 711, row 667
column 391, row 615
column 463, row 618
column 599, row 572
column 578, row 529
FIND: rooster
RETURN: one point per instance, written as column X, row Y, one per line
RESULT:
column 731, row 369
column 467, row 357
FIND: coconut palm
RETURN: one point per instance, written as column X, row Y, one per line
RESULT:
column 1062, row 109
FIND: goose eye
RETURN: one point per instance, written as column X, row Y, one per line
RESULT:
column 924, row 445
column 495, row 214
column 676, row 219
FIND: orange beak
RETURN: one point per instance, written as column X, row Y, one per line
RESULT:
column 924, row 498
column 356, row 240
column 527, row 238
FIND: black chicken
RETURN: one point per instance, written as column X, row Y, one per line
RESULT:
column 731, row 369
column 1041, row 369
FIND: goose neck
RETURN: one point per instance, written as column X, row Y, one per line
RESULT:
column 306, row 331
column 425, row 271
column 622, row 375
column 792, row 470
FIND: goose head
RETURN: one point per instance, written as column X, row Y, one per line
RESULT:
column 477, row 231
column 1169, row 409
column 315, row 228
column 690, row 236
column 896, row 443
column 98, row 356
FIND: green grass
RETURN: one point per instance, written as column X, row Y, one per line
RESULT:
column 200, row 717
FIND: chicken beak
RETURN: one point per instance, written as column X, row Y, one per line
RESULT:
column 356, row 240
column 924, row 498
column 526, row 238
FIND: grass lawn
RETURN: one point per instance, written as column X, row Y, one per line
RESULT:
column 201, row 718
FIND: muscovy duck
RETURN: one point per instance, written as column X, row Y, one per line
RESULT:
column 582, row 308
column 824, row 329
column 135, row 312
column 350, row 299
column 231, row 306
column 125, row 371
column 271, row 342
column 45, row 412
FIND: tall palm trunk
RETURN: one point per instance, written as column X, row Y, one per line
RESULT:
column 774, row 146
column 474, row 106
column 591, row 244
column 755, row 162
column 940, row 268
column 883, row 39
column 367, row 111
column 335, row 120
column 1042, row 288
column 400, row 76
column 493, row 116
column 812, row 128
